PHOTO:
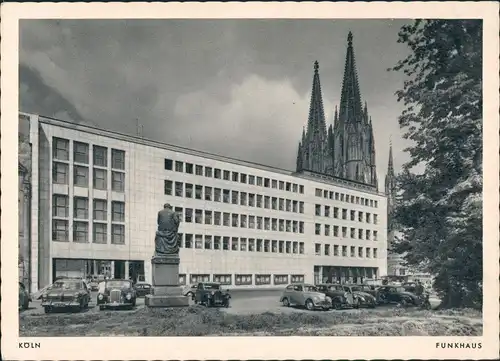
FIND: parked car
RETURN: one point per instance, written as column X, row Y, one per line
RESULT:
column 116, row 293
column 66, row 293
column 93, row 283
column 340, row 298
column 397, row 295
column 211, row 294
column 24, row 297
column 370, row 289
column 360, row 297
column 190, row 290
column 303, row 294
column 142, row 289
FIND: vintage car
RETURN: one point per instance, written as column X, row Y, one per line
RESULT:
column 397, row 295
column 116, row 293
column 211, row 294
column 340, row 298
column 142, row 289
column 360, row 297
column 66, row 293
column 309, row 296
column 190, row 290
column 93, row 283
column 24, row 297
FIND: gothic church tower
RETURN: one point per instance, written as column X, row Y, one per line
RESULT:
column 346, row 149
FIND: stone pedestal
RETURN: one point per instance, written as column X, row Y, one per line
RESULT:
column 166, row 290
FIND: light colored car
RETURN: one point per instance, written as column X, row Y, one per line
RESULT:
column 303, row 294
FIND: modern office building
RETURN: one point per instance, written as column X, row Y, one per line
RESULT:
column 96, row 194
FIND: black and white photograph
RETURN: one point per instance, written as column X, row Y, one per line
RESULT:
column 184, row 176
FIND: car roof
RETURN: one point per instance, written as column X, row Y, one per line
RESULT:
column 210, row 283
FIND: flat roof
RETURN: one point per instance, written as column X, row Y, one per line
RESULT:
column 306, row 175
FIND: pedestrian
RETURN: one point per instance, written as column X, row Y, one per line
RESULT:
column 419, row 289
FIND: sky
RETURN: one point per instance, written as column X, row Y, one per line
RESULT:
column 239, row 88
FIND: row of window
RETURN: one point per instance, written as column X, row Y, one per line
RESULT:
column 208, row 217
column 366, row 234
column 60, row 208
column 242, row 279
column 60, row 232
column 188, row 190
column 345, row 198
column 198, row 241
column 327, row 251
column 61, row 151
column 227, row 175
column 60, row 175
column 365, row 217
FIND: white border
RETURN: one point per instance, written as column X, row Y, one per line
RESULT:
column 247, row 347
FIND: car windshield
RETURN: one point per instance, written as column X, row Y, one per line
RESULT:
column 309, row 288
column 400, row 289
column 356, row 289
column 66, row 285
column 211, row 286
column 333, row 288
column 117, row 284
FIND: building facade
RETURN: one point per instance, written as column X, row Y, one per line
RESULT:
column 345, row 149
column 96, row 195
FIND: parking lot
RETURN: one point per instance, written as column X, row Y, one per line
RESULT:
column 242, row 302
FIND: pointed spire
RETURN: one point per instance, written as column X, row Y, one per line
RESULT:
column 299, row 158
column 390, row 167
column 303, row 134
column 350, row 99
column 365, row 113
column 316, row 122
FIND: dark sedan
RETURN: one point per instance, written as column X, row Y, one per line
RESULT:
column 142, row 289
column 116, row 293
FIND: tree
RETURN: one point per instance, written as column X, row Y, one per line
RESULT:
column 439, row 212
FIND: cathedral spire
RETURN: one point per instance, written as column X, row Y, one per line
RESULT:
column 390, row 166
column 350, row 99
column 316, row 122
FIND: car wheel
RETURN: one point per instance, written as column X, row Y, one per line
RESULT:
column 337, row 305
column 286, row 303
column 309, row 305
column 356, row 304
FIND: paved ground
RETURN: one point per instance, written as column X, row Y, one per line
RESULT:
column 242, row 302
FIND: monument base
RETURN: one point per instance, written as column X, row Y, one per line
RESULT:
column 166, row 291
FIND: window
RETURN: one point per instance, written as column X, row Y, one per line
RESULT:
column 208, row 193
column 188, row 190
column 117, row 159
column 217, row 243
column 234, row 197
column 281, row 247
column 243, row 244
column 288, row 247
column 60, row 230
column 360, row 216
column 267, row 182
column 301, row 227
column 80, row 208
column 178, row 189
column 100, row 210
column 223, row 279
column 251, row 200
column 274, row 244
column 375, row 219
column 251, row 179
column 262, row 280
column 368, row 234
column 117, row 211
column 317, row 229
column 179, row 166
column 234, row 244
column 198, row 190
column 327, row 249
column 217, row 173
column 259, row 245
column 301, row 189
column 243, row 199
column 327, row 211
column 226, row 219
column 360, row 251
column 318, row 192
column 198, row 216
column 234, row 220
column 267, row 223
column 335, row 231
column 182, row 279
column 167, row 187
column 274, row 203
column 288, row 205
column 80, row 232
column 235, row 176
column 225, row 195
column 100, row 179
column 217, row 194
column 243, row 221
column 259, row 181
column 60, row 173
column 60, row 148
column 344, row 251
column 335, row 250
column 344, row 213
column 375, row 235
column 188, row 241
column 295, row 247
column 100, row 156
column 243, row 178
column 225, row 243
column 198, row 241
column 226, row 175
column 199, row 170
column 360, row 233
column 251, row 222
column 117, row 234
column 297, row 278
column 280, row 279
column 169, row 164
column 196, row 278
column 267, row 245
column 208, row 217
column 327, row 230
column 353, row 232
column 179, row 212
column 118, row 181
column 189, row 168
column 81, row 152
column 301, row 207
column 317, row 249
column 274, row 224
column 80, row 176
column 208, row 242
column 208, row 172
column 259, row 222
column 100, row 234
column 267, row 201
column 368, row 220
column 368, row 252
column 243, row 280
column 353, row 251
column 60, row 205
column 353, row 215
column 375, row 253
column 217, row 218
column 335, row 212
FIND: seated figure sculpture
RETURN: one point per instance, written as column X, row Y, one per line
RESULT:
column 166, row 240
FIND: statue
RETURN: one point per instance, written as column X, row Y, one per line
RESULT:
column 166, row 240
